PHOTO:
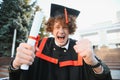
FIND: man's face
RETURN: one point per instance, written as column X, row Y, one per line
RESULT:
column 60, row 33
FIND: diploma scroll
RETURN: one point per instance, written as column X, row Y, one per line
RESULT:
column 37, row 21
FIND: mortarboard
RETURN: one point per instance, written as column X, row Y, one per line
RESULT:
column 62, row 10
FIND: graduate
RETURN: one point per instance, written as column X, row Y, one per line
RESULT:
column 59, row 57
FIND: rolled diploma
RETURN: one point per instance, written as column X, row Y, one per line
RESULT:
column 34, row 33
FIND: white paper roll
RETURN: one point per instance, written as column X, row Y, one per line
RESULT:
column 34, row 32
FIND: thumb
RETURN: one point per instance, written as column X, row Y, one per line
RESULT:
column 75, row 48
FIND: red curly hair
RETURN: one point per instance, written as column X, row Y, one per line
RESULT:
column 71, row 23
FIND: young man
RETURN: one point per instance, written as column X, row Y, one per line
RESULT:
column 59, row 57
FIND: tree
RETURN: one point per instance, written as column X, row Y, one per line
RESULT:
column 42, row 29
column 14, row 14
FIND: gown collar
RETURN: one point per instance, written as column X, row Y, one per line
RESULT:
column 66, row 46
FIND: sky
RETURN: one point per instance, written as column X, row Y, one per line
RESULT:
column 91, row 11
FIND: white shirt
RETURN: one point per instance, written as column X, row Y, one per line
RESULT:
column 66, row 46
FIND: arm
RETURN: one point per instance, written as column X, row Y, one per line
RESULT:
column 14, row 74
column 105, row 75
column 25, row 55
column 85, row 50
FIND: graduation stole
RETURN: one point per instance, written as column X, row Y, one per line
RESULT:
column 41, row 55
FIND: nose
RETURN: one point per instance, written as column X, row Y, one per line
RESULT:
column 61, row 30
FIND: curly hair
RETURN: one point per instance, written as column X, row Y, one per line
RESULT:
column 71, row 23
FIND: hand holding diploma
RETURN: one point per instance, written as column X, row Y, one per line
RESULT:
column 34, row 32
column 25, row 52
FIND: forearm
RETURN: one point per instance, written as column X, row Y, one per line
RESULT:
column 98, row 70
column 101, row 71
column 96, row 65
column 105, row 74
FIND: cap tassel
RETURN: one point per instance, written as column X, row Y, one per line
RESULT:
column 66, row 15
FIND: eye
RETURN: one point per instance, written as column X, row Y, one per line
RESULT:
column 65, row 27
column 57, row 27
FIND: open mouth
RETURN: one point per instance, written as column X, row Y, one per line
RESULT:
column 61, row 37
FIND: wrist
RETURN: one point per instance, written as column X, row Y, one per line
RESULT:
column 14, row 65
column 93, row 61
column 98, row 64
column 11, row 68
column 98, row 70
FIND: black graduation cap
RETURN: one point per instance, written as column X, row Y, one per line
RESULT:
column 62, row 10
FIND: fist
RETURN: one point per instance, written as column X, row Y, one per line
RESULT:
column 25, row 55
column 84, row 49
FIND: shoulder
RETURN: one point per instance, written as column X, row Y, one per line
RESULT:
column 47, row 40
column 73, row 41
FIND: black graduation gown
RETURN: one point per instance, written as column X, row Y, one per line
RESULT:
column 42, row 69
